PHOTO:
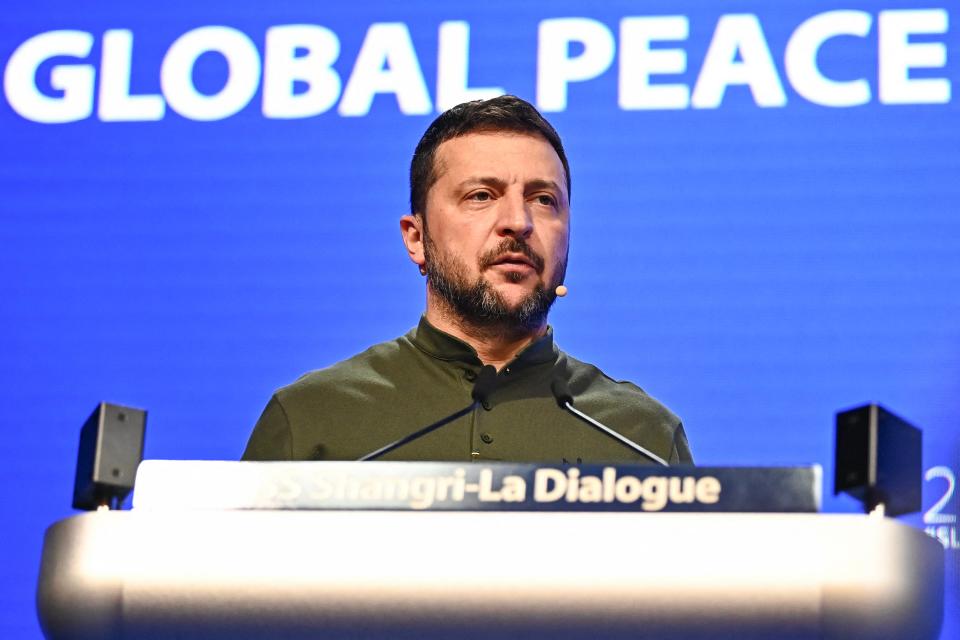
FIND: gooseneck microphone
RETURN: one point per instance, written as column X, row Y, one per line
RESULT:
column 560, row 390
column 482, row 388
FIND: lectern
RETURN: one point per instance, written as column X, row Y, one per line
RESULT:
column 193, row 570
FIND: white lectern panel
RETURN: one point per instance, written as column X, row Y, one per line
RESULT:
column 301, row 574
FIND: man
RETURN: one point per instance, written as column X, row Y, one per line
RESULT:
column 489, row 228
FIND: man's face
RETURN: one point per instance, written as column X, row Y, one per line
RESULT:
column 497, row 228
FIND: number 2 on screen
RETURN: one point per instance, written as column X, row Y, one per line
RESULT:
column 933, row 515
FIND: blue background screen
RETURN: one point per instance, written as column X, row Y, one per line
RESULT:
column 200, row 203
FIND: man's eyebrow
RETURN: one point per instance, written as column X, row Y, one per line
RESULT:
column 488, row 181
column 544, row 184
column 499, row 183
column 550, row 185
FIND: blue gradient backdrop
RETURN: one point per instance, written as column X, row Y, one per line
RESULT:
column 757, row 269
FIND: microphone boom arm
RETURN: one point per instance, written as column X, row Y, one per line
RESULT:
column 482, row 388
column 613, row 434
column 561, row 393
column 416, row 434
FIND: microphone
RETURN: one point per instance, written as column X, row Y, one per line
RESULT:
column 561, row 392
column 482, row 388
column 561, row 290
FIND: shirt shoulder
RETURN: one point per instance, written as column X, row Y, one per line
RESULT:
column 623, row 405
column 334, row 405
column 370, row 371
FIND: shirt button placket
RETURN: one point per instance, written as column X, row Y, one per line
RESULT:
column 471, row 376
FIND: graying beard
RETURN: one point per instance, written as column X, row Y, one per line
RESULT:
column 481, row 305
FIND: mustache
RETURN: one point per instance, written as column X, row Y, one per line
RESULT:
column 512, row 245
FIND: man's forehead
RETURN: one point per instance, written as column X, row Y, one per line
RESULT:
column 467, row 153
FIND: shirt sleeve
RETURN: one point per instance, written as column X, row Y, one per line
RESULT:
column 271, row 438
column 681, row 449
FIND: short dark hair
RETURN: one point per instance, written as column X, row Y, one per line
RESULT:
column 503, row 113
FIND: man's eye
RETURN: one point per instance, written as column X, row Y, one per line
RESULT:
column 546, row 200
column 480, row 196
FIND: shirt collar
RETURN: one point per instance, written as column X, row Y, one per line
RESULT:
column 444, row 346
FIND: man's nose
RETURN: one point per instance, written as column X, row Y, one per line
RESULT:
column 514, row 217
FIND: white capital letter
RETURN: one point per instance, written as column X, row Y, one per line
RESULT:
column 176, row 73
column 800, row 59
column 387, row 63
column 549, row 485
column 556, row 69
column 116, row 103
column 453, row 65
column 282, row 67
column 638, row 62
column 76, row 80
column 898, row 55
column 738, row 33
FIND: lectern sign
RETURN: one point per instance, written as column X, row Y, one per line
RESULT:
column 465, row 486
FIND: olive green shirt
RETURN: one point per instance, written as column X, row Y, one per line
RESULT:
column 395, row 388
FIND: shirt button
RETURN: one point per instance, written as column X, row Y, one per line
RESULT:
column 470, row 375
column 486, row 437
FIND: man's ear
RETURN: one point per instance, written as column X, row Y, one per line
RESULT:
column 411, row 229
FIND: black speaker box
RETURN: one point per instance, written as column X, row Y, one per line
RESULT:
column 879, row 459
column 111, row 447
